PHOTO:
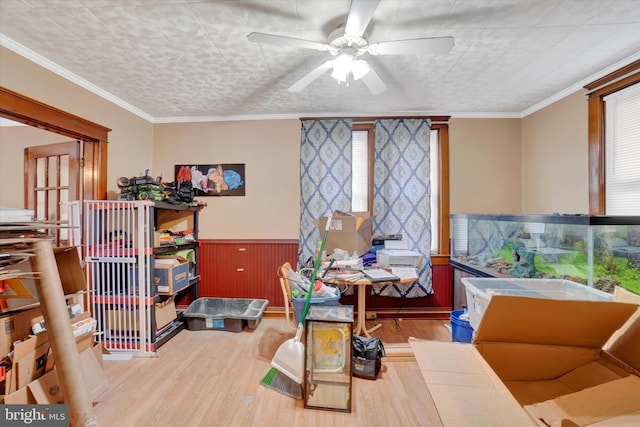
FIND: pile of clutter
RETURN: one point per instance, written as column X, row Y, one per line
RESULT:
column 300, row 285
column 149, row 188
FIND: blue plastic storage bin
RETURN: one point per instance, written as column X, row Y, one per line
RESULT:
column 298, row 304
column 461, row 330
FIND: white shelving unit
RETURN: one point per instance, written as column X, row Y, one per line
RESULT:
column 119, row 261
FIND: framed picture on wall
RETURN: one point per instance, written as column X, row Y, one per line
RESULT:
column 213, row 179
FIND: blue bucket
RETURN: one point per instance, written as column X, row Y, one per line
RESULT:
column 461, row 330
column 298, row 303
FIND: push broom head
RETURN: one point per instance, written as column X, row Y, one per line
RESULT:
column 278, row 381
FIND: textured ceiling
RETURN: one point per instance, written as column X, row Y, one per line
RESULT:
column 175, row 60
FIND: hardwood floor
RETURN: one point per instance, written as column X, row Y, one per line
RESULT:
column 212, row 378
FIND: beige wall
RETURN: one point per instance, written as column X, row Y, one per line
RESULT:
column 555, row 158
column 534, row 165
column 270, row 151
column 131, row 138
column 485, row 166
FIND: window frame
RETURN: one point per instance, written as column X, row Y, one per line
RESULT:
column 440, row 123
column 596, row 92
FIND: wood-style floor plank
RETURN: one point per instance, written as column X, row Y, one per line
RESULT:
column 212, row 378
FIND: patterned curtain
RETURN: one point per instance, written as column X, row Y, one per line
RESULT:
column 401, row 195
column 325, row 177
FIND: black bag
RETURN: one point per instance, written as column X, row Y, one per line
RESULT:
column 367, row 357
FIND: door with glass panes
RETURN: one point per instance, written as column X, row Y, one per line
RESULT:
column 52, row 179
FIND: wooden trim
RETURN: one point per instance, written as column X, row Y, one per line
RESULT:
column 611, row 78
column 95, row 156
column 611, row 83
column 597, row 189
column 23, row 109
column 439, row 259
column 34, row 113
column 444, row 195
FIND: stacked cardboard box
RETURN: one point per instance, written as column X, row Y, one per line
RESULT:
column 30, row 369
column 349, row 231
column 170, row 274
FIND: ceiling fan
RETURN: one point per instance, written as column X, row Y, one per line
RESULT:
column 349, row 42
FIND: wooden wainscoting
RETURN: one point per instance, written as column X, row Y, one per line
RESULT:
column 244, row 268
column 248, row 269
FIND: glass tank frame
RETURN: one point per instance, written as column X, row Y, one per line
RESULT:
column 599, row 251
column 328, row 334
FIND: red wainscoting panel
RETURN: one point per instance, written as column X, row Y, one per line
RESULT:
column 244, row 268
column 248, row 269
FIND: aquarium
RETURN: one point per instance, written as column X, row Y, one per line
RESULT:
column 328, row 360
column 599, row 251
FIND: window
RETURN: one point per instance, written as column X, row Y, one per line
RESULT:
column 613, row 113
column 362, row 177
column 622, row 151
column 360, row 171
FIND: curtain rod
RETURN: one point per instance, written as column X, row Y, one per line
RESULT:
column 434, row 119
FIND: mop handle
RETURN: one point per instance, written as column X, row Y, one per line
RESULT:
column 307, row 301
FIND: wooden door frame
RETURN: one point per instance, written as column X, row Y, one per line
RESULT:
column 20, row 108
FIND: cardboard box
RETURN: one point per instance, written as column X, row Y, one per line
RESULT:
column 165, row 313
column 70, row 270
column 350, row 231
column 123, row 319
column 16, row 326
column 170, row 278
column 83, row 327
column 71, row 276
column 22, row 293
column 30, row 359
column 162, row 238
column 91, row 365
column 539, row 362
column 46, row 388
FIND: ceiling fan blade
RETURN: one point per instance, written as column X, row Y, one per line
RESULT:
column 433, row 45
column 285, row 41
column 314, row 74
column 373, row 82
column 360, row 14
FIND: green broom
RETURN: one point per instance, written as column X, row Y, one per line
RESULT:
column 287, row 366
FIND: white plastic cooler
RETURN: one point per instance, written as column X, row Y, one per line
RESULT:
column 480, row 290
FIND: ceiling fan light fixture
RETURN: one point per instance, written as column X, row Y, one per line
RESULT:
column 348, row 42
column 340, row 77
column 342, row 67
column 359, row 68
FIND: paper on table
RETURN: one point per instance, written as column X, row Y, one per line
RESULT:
column 405, row 272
